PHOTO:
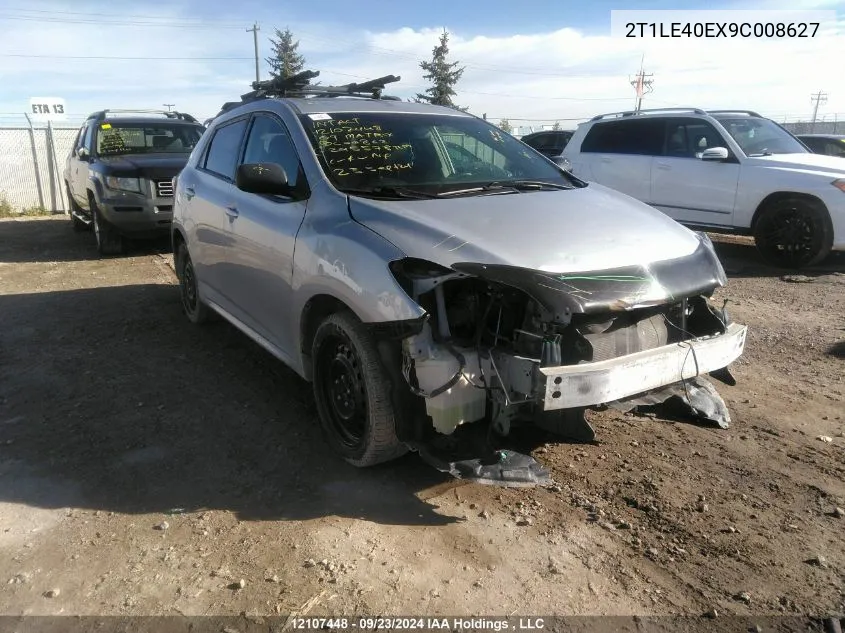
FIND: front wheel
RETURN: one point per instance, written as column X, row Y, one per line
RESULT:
column 352, row 390
column 109, row 241
column 794, row 233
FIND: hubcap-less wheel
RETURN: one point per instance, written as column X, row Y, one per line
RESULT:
column 189, row 286
column 342, row 387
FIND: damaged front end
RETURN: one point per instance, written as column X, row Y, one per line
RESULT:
column 504, row 345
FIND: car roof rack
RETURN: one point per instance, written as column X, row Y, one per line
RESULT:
column 628, row 113
column 748, row 112
column 299, row 85
column 170, row 114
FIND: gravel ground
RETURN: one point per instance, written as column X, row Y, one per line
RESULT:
column 151, row 467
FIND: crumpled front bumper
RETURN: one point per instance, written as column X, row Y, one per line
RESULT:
column 590, row 384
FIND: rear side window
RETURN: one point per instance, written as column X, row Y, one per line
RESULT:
column 641, row 136
column 222, row 155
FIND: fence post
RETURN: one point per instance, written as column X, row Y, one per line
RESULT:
column 57, row 181
column 35, row 161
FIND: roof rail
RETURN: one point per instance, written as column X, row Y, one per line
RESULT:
column 748, row 112
column 299, row 85
column 628, row 113
column 170, row 114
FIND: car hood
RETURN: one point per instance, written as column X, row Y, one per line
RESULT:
column 144, row 165
column 820, row 163
column 587, row 229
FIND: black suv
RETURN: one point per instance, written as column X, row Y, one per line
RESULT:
column 119, row 173
column 549, row 143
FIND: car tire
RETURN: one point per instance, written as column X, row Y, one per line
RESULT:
column 352, row 390
column 79, row 225
column 193, row 307
column 109, row 241
column 794, row 233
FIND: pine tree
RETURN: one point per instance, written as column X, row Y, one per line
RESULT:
column 286, row 61
column 556, row 126
column 442, row 74
column 505, row 126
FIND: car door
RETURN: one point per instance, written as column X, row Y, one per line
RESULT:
column 620, row 154
column 687, row 188
column 79, row 166
column 71, row 161
column 211, row 192
column 264, row 230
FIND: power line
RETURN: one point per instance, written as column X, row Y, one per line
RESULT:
column 111, row 15
column 133, row 23
column 119, row 58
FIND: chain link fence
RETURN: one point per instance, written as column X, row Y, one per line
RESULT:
column 32, row 160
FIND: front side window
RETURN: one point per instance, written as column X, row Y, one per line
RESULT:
column 222, row 155
column 269, row 142
column 114, row 138
column 761, row 137
column 687, row 138
column 430, row 153
column 86, row 140
column 637, row 136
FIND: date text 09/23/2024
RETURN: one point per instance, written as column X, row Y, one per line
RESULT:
column 418, row 624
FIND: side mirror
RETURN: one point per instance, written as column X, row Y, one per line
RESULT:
column 82, row 153
column 714, row 154
column 266, row 178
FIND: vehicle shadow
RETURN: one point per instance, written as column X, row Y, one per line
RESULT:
column 740, row 258
column 52, row 239
column 110, row 400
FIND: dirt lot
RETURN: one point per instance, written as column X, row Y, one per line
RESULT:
column 148, row 467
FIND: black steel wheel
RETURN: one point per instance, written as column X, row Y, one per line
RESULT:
column 353, row 392
column 794, row 233
column 192, row 306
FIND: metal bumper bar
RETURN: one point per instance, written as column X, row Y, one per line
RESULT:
column 588, row 384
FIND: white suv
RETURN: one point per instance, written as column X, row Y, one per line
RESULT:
column 728, row 171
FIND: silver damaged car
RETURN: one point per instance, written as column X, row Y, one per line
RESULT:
column 439, row 282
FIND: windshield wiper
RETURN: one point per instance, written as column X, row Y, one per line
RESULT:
column 391, row 192
column 507, row 186
column 538, row 184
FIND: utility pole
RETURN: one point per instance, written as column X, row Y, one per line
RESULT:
column 642, row 84
column 255, row 30
column 168, row 105
column 819, row 97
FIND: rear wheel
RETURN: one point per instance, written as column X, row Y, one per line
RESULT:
column 78, row 224
column 794, row 233
column 352, row 390
column 109, row 241
column 196, row 311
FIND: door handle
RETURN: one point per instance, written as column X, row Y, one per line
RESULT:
column 605, row 160
column 190, row 192
column 232, row 212
column 664, row 166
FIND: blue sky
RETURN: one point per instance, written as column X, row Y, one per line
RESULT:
column 197, row 54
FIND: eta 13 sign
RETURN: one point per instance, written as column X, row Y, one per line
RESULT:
column 47, row 108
